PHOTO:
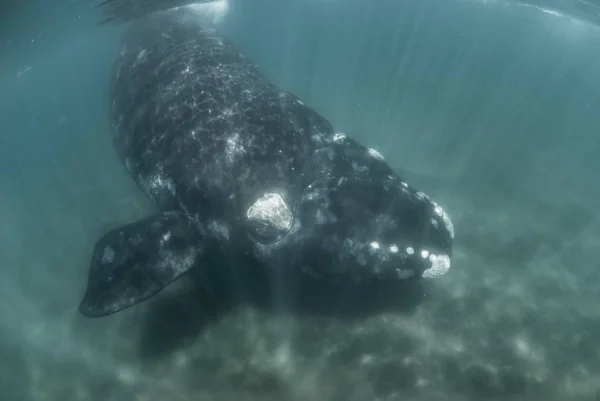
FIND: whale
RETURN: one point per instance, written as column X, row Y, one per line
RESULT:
column 240, row 169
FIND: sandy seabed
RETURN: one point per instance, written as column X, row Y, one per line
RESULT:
column 516, row 318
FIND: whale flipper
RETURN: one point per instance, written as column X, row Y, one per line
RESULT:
column 134, row 262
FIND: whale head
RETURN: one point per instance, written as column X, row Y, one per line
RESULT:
column 357, row 229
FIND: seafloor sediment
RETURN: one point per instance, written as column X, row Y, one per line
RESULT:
column 515, row 318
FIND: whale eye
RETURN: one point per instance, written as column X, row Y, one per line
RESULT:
column 269, row 217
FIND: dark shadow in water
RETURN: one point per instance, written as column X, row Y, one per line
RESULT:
column 179, row 316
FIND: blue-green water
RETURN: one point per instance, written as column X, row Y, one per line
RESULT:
column 491, row 107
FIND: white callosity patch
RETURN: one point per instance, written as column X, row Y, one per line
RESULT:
column 339, row 137
column 445, row 218
column 421, row 196
column 440, row 264
column 271, row 209
column 375, row 154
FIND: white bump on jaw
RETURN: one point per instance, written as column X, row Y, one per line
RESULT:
column 410, row 250
column 440, row 264
column 394, row 249
column 375, row 154
column 424, row 253
column 339, row 137
column 375, row 245
column 445, row 218
column 271, row 208
column 404, row 185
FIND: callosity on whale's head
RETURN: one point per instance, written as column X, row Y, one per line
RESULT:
column 354, row 228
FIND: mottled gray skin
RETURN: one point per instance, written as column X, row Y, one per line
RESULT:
column 206, row 136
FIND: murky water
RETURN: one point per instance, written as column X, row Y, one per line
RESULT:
column 490, row 107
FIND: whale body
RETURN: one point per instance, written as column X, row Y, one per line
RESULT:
column 237, row 166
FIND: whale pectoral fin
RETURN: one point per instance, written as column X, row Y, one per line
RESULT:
column 134, row 262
